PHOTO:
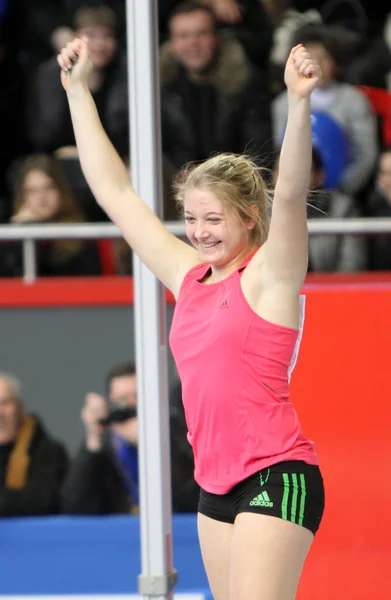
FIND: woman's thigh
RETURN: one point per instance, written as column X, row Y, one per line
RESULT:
column 255, row 538
column 267, row 557
column 215, row 541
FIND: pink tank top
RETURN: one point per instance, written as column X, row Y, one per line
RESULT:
column 234, row 368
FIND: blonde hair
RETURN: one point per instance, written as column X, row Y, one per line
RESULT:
column 237, row 182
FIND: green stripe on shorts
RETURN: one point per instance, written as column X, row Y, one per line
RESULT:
column 285, row 497
column 302, row 499
column 298, row 497
column 294, row 497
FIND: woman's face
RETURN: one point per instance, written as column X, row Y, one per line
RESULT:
column 218, row 234
column 41, row 195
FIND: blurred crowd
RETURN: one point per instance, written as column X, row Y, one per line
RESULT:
column 221, row 89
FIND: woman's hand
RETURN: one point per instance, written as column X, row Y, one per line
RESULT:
column 302, row 73
column 75, row 63
column 25, row 215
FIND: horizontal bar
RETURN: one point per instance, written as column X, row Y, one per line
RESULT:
column 110, row 231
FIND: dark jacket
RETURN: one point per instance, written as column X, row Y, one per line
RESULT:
column 95, row 485
column 230, row 114
column 48, row 117
column 32, row 470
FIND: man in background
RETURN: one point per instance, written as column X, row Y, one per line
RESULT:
column 104, row 478
column 32, row 465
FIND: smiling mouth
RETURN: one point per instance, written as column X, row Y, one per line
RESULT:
column 208, row 246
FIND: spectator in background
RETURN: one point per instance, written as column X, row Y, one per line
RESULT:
column 212, row 98
column 103, row 478
column 341, row 101
column 286, row 20
column 49, row 122
column 333, row 253
column 118, row 6
column 379, row 205
column 40, row 28
column 247, row 20
column 43, row 195
column 32, row 465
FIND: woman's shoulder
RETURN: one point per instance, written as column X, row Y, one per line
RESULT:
column 197, row 272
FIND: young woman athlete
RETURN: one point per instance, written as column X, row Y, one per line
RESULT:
column 234, row 336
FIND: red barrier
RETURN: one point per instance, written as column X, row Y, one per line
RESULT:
column 342, row 390
column 116, row 291
column 63, row 291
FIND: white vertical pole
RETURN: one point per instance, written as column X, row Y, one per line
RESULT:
column 158, row 576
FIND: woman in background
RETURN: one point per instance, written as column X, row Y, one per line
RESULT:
column 43, row 195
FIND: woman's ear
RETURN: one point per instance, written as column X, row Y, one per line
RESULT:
column 252, row 221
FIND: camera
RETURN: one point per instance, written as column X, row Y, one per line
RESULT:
column 119, row 412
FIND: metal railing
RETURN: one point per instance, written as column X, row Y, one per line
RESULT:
column 30, row 234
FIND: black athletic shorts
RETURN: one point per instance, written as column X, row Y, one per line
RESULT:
column 291, row 490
